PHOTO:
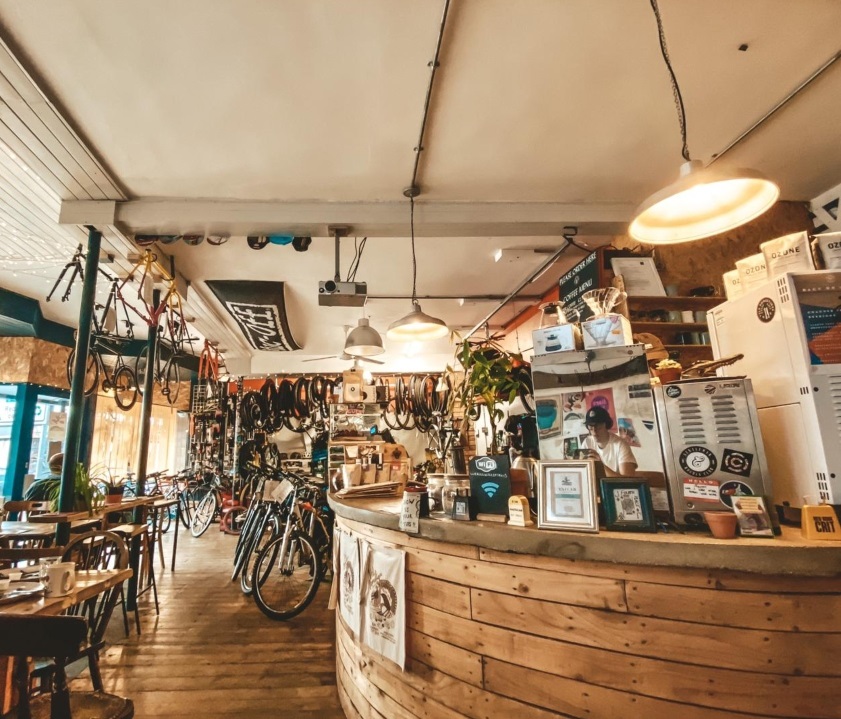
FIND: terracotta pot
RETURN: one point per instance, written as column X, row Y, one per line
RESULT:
column 668, row 375
column 721, row 524
column 114, row 495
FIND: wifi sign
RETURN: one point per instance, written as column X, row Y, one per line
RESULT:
column 490, row 488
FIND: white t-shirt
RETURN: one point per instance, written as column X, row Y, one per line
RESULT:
column 615, row 453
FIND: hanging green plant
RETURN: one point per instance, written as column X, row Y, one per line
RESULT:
column 492, row 377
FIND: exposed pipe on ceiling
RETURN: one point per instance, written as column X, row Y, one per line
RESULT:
column 413, row 188
column 779, row 106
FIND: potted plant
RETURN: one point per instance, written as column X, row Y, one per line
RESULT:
column 668, row 370
column 87, row 494
column 112, row 487
column 492, row 377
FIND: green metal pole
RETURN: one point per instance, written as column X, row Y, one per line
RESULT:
column 143, row 452
column 76, row 413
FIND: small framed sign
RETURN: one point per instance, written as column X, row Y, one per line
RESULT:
column 754, row 520
column 627, row 505
column 566, row 496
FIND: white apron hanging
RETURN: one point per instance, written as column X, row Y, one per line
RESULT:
column 385, row 603
column 350, row 583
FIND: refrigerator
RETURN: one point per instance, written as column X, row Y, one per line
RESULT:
column 789, row 331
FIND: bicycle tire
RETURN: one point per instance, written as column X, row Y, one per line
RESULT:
column 232, row 519
column 268, row 532
column 91, row 372
column 255, row 516
column 284, row 586
column 124, row 383
column 164, row 521
column 204, row 513
column 172, row 380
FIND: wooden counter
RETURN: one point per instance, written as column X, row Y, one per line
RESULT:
column 535, row 624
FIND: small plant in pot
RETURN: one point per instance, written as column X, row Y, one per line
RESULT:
column 668, row 370
column 112, row 487
column 87, row 494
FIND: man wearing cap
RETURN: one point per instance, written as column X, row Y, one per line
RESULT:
column 602, row 444
column 42, row 489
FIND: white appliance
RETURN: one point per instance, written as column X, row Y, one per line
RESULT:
column 789, row 330
column 712, row 445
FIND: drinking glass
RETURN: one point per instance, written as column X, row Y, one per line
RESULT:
column 44, row 563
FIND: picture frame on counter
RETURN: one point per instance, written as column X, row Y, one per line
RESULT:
column 627, row 504
column 566, row 496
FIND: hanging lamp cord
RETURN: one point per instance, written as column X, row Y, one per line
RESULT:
column 681, row 112
column 414, row 259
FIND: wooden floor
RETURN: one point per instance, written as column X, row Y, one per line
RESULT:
column 211, row 653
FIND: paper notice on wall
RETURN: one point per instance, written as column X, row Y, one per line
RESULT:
column 385, row 603
column 57, row 426
column 350, row 586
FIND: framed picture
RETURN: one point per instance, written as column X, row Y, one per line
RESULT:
column 754, row 520
column 566, row 496
column 627, row 505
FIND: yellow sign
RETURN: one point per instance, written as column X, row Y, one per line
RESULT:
column 819, row 522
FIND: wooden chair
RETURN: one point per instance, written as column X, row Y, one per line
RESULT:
column 96, row 550
column 23, row 509
column 21, row 552
column 57, row 637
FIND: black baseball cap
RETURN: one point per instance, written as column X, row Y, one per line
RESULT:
column 597, row 415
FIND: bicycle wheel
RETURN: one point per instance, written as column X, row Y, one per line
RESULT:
column 253, row 519
column 319, row 534
column 125, row 388
column 203, row 515
column 91, row 372
column 285, row 581
column 172, row 380
column 270, row 531
column 164, row 521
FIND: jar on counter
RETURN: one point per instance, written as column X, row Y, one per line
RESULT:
column 453, row 483
column 435, row 490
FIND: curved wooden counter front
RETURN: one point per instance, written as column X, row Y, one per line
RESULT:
column 497, row 634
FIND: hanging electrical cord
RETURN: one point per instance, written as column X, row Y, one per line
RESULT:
column 681, row 112
column 358, row 249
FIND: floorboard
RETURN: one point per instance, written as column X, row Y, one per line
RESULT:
column 211, row 653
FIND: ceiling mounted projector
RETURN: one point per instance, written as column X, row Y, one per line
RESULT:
column 342, row 294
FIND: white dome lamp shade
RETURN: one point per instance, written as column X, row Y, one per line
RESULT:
column 702, row 202
column 363, row 340
column 417, row 326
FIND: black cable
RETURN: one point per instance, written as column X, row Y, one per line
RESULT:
column 681, row 112
column 414, row 259
column 354, row 265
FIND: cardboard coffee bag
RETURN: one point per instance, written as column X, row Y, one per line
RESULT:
column 752, row 271
column 829, row 248
column 789, row 253
column 732, row 284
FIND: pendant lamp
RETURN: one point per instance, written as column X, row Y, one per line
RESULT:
column 702, row 202
column 417, row 326
column 363, row 340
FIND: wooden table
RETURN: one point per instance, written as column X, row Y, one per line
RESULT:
column 88, row 585
column 39, row 530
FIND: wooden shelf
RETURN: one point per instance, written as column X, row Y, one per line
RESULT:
column 691, row 353
column 658, row 327
column 673, row 303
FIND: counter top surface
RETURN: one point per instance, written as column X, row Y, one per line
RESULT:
column 788, row 554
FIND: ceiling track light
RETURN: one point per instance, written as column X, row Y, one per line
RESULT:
column 417, row 326
column 702, row 202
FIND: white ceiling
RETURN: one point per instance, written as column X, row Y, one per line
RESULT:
column 539, row 103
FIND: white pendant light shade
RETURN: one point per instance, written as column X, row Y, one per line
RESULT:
column 701, row 203
column 417, row 326
column 364, row 341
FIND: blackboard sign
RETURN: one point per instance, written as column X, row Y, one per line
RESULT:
column 580, row 279
column 490, row 485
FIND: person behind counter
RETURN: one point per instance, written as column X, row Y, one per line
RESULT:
column 602, row 444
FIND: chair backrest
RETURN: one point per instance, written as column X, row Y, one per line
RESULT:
column 27, row 636
column 23, row 556
column 97, row 550
column 21, row 509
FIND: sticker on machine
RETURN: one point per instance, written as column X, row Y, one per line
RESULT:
column 736, row 462
column 700, row 490
column 734, row 488
column 697, row 461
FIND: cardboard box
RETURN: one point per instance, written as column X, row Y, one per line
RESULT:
column 559, row 338
column 610, row 330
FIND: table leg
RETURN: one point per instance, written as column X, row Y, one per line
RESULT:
column 175, row 536
column 134, row 563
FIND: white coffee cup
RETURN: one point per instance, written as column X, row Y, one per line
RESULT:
column 59, row 579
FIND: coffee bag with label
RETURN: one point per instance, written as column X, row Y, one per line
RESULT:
column 829, row 245
column 789, row 253
column 732, row 284
column 752, row 271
